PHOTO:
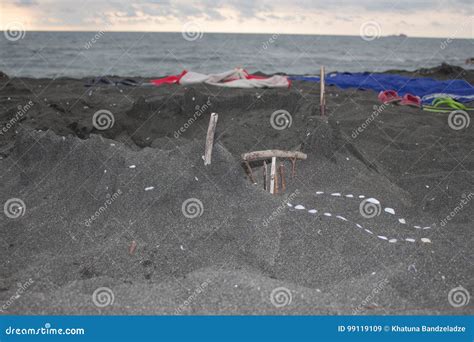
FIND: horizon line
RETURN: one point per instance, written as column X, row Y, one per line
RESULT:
column 404, row 36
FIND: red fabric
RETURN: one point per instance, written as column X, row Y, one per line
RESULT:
column 174, row 79
column 169, row 79
column 253, row 77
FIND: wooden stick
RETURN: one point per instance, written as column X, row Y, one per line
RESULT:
column 282, row 177
column 293, row 167
column 322, row 99
column 265, row 175
column 267, row 154
column 249, row 169
column 210, row 138
column 272, row 175
column 277, row 180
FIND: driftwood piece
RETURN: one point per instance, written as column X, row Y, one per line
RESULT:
column 267, row 154
column 322, row 95
column 265, row 175
column 210, row 138
column 282, row 177
column 293, row 167
column 272, row 175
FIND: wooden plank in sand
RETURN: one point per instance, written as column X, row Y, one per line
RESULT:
column 210, row 138
column 267, row 154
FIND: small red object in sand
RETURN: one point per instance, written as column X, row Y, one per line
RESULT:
column 132, row 248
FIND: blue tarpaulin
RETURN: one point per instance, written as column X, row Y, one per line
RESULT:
column 426, row 88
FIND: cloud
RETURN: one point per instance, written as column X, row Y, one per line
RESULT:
column 299, row 16
column 25, row 3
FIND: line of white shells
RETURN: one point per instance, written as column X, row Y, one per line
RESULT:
column 368, row 231
column 375, row 201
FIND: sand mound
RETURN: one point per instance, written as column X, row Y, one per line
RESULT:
column 206, row 239
column 72, row 242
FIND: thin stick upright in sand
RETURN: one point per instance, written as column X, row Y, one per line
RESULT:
column 249, row 170
column 323, row 96
column 282, row 177
column 277, row 179
column 265, row 175
column 210, row 138
column 293, row 167
column 272, row 175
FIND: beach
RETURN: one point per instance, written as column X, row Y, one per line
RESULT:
column 131, row 213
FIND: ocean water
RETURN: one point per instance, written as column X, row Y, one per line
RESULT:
column 80, row 54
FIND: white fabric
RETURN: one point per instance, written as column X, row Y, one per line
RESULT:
column 236, row 78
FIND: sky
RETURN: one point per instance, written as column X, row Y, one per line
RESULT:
column 417, row 18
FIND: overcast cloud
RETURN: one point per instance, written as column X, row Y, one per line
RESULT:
column 450, row 18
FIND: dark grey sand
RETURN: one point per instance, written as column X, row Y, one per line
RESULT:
column 246, row 243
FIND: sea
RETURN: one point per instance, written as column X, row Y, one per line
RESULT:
column 153, row 54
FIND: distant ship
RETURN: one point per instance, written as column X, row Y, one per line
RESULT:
column 401, row 35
